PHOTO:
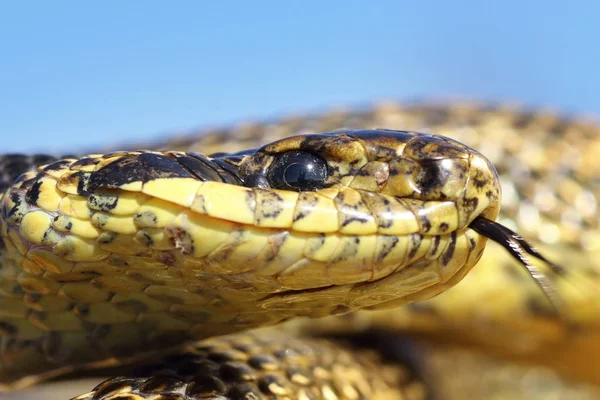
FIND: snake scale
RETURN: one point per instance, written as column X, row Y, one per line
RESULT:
column 126, row 256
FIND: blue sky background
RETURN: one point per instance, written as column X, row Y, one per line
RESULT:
column 75, row 74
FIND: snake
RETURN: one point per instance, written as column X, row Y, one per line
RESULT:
column 339, row 255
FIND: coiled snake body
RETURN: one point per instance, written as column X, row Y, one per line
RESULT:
column 126, row 256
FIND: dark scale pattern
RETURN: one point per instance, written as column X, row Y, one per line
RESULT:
column 264, row 367
column 141, row 166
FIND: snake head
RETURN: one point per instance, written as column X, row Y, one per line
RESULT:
column 430, row 172
column 402, row 183
column 361, row 217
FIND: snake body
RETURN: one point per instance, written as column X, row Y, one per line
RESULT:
column 118, row 256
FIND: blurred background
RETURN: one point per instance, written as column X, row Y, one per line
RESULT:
column 79, row 75
column 76, row 75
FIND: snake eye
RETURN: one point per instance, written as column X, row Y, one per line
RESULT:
column 298, row 170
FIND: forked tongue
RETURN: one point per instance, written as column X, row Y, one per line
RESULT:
column 521, row 250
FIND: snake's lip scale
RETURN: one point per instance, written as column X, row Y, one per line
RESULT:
column 113, row 253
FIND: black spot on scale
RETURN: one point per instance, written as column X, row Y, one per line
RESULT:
column 141, row 168
column 316, row 244
column 470, row 204
column 47, row 235
column 348, row 220
column 436, row 243
column 490, row 194
column 79, row 178
column 309, row 202
column 415, row 242
column 270, row 204
column 250, row 200
column 389, row 242
column 16, row 199
column 148, row 217
column 106, row 237
column 276, row 241
column 148, row 241
column 479, row 180
column 385, row 222
column 181, row 239
column 349, row 249
column 447, row 255
column 424, row 222
column 33, row 193
column 444, row 227
column 431, row 175
column 103, row 202
column 349, row 211
column 57, row 165
column 472, row 243
column 84, row 162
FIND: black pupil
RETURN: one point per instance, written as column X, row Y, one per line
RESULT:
column 298, row 170
column 299, row 174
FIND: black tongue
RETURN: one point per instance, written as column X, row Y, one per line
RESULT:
column 519, row 249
